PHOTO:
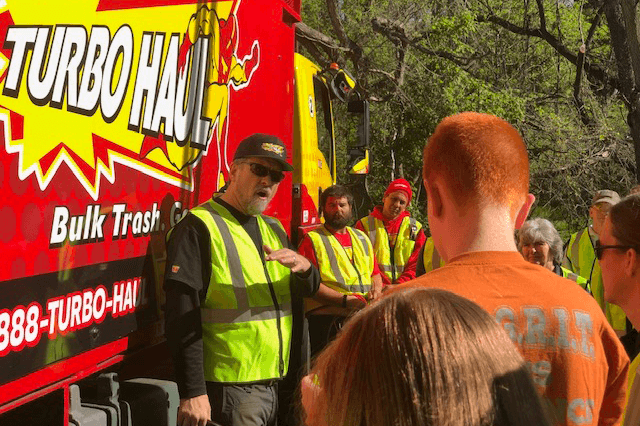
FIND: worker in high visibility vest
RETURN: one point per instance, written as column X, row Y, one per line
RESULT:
column 397, row 238
column 348, row 270
column 228, row 280
column 580, row 256
column 539, row 243
column 429, row 258
column 618, row 252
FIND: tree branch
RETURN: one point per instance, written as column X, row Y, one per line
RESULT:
column 395, row 32
column 564, row 169
column 354, row 51
column 543, row 18
column 595, row 72
column 585, row 116
column 312, row 40
column 332, row 8
column 577, row 99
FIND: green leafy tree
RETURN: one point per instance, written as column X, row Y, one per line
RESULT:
column 559, row 71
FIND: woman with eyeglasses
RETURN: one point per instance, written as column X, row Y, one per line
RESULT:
column 539, row 243
column 618, row 251
column 421, row 357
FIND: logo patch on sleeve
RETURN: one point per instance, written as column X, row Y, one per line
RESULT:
column 175, row 269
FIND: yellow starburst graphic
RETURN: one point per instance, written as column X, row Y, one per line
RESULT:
column 78, row 75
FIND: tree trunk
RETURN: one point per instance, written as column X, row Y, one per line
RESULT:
column 633, row 41
column 622, row 38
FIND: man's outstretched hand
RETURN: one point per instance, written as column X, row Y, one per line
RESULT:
column 288, row 258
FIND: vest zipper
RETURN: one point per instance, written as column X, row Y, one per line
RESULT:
column 392, row 256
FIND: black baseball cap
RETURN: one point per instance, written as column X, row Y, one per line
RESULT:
column 263, row 146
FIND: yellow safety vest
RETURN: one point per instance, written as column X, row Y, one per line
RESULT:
column 337, row 270
column 392, row 267
column 430, row 257
column 581, row 281
column 581, row 259
column 633, row 368
column 246, row 314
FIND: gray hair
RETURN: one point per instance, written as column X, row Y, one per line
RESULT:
column 539, row 229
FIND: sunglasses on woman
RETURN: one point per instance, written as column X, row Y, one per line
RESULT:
column 600, row 248
column 262, row 171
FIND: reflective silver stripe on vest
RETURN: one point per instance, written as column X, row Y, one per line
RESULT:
column 575, row 250
column 235, row 266
column 572, row 276
column 228, row 316
column 399, row 269
column 389, row 268
column 363, row 240
column 385, row 268
column 333, row 260
column 372, row 229
column 243, row 312
column 273, row 223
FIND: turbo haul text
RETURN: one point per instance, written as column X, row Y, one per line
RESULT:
column 23, row 326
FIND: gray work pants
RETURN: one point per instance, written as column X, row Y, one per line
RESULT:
column 243, row 405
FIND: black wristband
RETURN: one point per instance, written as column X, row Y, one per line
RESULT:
column 344, row 301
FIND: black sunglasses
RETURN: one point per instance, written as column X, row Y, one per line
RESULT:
column 599, row 248
column 262, row 171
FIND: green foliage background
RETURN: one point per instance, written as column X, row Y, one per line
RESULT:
column 456, row 61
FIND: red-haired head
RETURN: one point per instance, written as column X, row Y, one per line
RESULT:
column 481, row 158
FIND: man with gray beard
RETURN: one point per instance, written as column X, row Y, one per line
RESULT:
column 348, row 269
column 229, row 280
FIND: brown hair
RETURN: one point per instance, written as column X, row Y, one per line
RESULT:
column 335, row 191
column 424, row 357
column 481, row 157
column 625, row 221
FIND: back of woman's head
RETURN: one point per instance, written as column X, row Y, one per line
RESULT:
column 420, row 357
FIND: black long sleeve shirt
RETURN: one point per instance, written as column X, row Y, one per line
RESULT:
column 187, row 277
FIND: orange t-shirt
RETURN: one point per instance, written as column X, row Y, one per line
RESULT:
column 576, row 360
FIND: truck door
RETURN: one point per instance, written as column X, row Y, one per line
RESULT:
column 313, row 146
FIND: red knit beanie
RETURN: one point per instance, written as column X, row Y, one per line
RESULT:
column 400, row 185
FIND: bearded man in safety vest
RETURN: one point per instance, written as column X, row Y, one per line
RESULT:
column 580, row 256
column 228, row 279
column 348, row 270
column 397, row 238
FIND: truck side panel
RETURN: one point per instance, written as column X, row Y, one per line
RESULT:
column 112, row 124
